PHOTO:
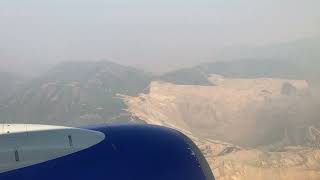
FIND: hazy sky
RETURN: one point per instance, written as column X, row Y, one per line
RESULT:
column 156, row 35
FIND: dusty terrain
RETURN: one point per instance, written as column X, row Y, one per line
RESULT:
column 243, row 126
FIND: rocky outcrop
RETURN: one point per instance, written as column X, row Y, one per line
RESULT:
column 227, row 122
column 230, row 111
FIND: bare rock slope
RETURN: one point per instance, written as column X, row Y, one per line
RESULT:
column 243, row 126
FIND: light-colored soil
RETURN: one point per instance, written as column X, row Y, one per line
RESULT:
column 224, row 121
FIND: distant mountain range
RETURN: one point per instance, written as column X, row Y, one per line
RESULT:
column 75, row 94
column 79, row 93
column 294, row 60
column 259, row 116
column 249, row 68
column 9, row 83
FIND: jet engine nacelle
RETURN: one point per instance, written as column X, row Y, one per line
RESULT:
column 105, row 152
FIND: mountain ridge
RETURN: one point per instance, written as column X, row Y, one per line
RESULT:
column 75, row 94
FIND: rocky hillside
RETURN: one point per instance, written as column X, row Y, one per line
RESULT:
column 238, row 111
column 259, row 128
column 75, row 94
column 8, row 83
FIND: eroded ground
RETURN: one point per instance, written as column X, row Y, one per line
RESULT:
column 247, row 128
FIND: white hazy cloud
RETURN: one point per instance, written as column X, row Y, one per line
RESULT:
column 156, row 35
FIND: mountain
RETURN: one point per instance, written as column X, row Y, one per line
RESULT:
column 247, row 112
column 8, row 83
column 242, row 69
column 75, row 93
column 293, row 60
column 247, row 128
column 255, row 116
